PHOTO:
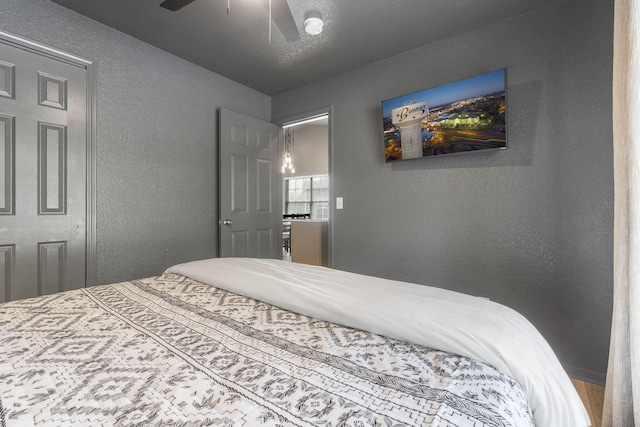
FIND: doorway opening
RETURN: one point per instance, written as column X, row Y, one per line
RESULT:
column 306, row 190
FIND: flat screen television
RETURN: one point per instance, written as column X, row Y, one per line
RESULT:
column 461, row 117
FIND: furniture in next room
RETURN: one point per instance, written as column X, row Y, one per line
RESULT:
column 310, row 242
column 286, row 228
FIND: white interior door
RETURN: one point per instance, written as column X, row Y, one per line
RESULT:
column 250, row 210
column 43, row 170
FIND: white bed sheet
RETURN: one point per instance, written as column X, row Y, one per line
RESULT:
column 434, row 317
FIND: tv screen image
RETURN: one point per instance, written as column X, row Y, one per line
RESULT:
column 465, row 116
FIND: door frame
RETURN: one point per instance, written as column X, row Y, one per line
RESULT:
column 299, row 117
column 90, row 70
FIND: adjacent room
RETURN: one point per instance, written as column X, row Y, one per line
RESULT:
column 161, row 105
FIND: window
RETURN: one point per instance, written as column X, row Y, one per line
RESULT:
column 307, row 195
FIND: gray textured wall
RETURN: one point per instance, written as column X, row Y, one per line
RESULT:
column 530, row 227
column 156, row 140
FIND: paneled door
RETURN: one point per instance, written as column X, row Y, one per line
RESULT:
column 43, row 171
column 250, row 188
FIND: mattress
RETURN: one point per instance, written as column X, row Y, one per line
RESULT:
column 179, row 349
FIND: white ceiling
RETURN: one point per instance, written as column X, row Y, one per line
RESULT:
column 356, row 33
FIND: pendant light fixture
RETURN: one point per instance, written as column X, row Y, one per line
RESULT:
column 287, row 158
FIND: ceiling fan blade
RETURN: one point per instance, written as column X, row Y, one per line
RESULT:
column 174, row 5
column 281, row 15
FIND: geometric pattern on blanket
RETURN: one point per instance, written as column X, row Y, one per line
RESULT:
column 173, row 351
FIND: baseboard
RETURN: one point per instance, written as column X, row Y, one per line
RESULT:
column 586, row 375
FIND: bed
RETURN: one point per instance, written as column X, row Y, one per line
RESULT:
column 247, row 342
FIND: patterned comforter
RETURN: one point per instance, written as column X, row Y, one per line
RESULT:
column 173, row 351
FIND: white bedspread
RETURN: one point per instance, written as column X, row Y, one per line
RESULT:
column 450, row 321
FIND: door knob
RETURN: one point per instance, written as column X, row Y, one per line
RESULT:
column 227, row 221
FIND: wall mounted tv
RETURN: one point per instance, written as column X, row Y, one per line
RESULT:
column 465, row 116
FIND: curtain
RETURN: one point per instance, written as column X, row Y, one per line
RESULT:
column 623, row 372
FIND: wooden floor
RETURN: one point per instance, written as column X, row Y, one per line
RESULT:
column 592, row 396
